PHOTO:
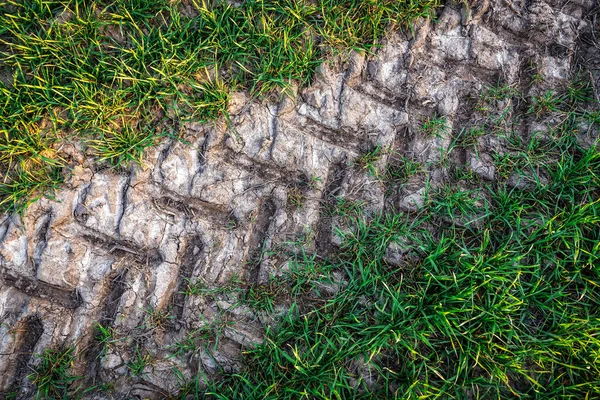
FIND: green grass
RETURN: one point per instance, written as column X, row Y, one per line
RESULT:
column 506, row 309
column 106, row 73
column 398, row 171
column 138, row 363
column 500, row 295
column 105, row 336
column 53, row 379
column 367, row 160
column 435, row 126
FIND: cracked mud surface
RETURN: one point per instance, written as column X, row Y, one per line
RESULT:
column 115, row 244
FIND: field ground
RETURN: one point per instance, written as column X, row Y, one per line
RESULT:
column 454, row 253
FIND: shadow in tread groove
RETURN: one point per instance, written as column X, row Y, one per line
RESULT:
column 256, row 246
column 193, row 251
column 28, row 333
column 334, row 182
column 116, row 289
column 67, row 298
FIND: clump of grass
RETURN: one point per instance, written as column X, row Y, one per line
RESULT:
column 459, row 205
column 263, row 297
column 203, row 338
column 545, row 103
column 52, row 377
column 499, row 92
column 397, row 172
column 139, row 361
column 107, row 73
column 123, row 145
column 21, row 188
column 157, row 318
column 295, row 197
column 367, row 160
column 435, row 126
column 580, row 90
column 105, row 337
column 469, row 138
column 593, row 117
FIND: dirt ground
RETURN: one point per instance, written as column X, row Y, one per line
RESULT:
column 120, row 248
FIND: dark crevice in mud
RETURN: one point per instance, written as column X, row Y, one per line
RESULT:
column 80, row 213
column 193, row 252
column 4, row 228
column 274, row 128
column 527, row 70
column 124, row 191
column 28, row 334
column 261, row 169
column 334, row 182
column 337, row 137
column 402, row 141
column 67, row 298
column 41, row 238
column 116, row 288
column 145, row 389
column 162, row 156
column 396, row 161
column 381, row 95
column 201, row 161
column 340, row 103
column 121, row 248
column 587, row 48
column 192, row 208
column 558, row 50
column 257, row 241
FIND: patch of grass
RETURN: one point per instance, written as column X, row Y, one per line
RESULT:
column 435, row 126
column 465, row 174
column 537, row 78
column 107, row 74
column 201, row 339
column 105, row 337
column 593, row 117
column 505, row 309
column 295, row 197
column 344, row 208
column 500, row 92
column 494, row 94
column 138, row 363
column 157, row 318
column 580, row 90
column 52, row 377
column 263, row 297
column 123, row 145
column 399, row 171
column 545, row 103
column 23, row 187
column 530, row 158
column 459, row 205
column 306, row 276
column 469, row 138
column 368, row 159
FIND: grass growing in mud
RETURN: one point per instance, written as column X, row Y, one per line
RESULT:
column 508, row 308
column 105, row 73
column 494, row 291
column 497, row 290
